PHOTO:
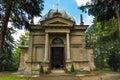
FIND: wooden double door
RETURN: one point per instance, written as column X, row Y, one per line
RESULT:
column 57, row 58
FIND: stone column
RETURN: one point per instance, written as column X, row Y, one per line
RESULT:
column 28, row 66
column 30, row 54
column 68, row 46
column 46, row 47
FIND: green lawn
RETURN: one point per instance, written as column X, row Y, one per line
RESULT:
column 11, row 76
column 92, row 76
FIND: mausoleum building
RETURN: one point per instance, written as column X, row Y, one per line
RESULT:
column 57, row 43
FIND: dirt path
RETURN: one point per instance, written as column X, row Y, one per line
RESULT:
column 105, row 76
column 59, row 78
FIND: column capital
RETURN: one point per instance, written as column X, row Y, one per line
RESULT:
column 67, row 32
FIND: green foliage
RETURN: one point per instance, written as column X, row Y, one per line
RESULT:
column 41, row 69
column 101, row 32
column 101, row 9
column 21, row 11
column 101, row 36
column 23, row 40
column 106, row 69
column 72, row 68
column 114, row 55
column 16, row 57
column 7, row 57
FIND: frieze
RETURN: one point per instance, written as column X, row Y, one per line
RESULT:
column 38, row 45
column 57, row 30
column 37, row 34
column 76, row 45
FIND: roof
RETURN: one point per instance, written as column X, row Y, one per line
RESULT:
column 53, row 13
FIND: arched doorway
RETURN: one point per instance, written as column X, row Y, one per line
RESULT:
column 57, row 54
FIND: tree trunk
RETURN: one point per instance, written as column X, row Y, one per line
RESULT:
column 117, row 13
column 4, row 26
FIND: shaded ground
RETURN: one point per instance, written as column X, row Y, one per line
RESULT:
column 91, row 76
column 104, row 76
column 59, row 78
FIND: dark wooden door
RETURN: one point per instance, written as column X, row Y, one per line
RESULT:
column 57, row 57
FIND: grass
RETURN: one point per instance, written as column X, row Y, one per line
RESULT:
column 10, row 76
column 106, row 69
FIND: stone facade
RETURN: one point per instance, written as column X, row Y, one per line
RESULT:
column 57, row 43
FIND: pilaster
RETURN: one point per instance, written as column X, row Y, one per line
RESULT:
column 68, row 47
column 46, row 47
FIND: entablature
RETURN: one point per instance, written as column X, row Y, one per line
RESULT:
column 57, row 30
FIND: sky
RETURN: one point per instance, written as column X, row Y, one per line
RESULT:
column 70, row 6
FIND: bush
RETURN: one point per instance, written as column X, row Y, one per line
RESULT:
column 41, row 69
column 114, row 61
column 106, row 69
column 72, row 68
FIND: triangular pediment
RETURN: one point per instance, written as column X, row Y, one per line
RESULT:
column 58, row 21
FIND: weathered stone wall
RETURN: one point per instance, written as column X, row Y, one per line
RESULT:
column 38, row 47
column 23, row 58
column 38, row 53
column 39, row 39
column 78, row 51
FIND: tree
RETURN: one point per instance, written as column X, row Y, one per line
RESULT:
column 114, row 54
column 104, row 31
column 23, row 40
column 19, row 12
column 101, row 39
column 6, row 59
column 103, row 10
column 114, row 60
column 16, row 58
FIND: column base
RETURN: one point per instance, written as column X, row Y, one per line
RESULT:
column 46, row 61
column 68, row 60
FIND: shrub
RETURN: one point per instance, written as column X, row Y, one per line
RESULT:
column 41, row 69
column 72, row 68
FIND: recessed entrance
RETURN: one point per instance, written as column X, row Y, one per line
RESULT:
column 57, row 57
column 57, row 54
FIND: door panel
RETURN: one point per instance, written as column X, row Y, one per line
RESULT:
column 57, row 57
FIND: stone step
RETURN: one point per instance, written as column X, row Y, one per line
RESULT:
column 57, row 71
column 58, row 74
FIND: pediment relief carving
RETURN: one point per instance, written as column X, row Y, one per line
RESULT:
column 57, row 22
